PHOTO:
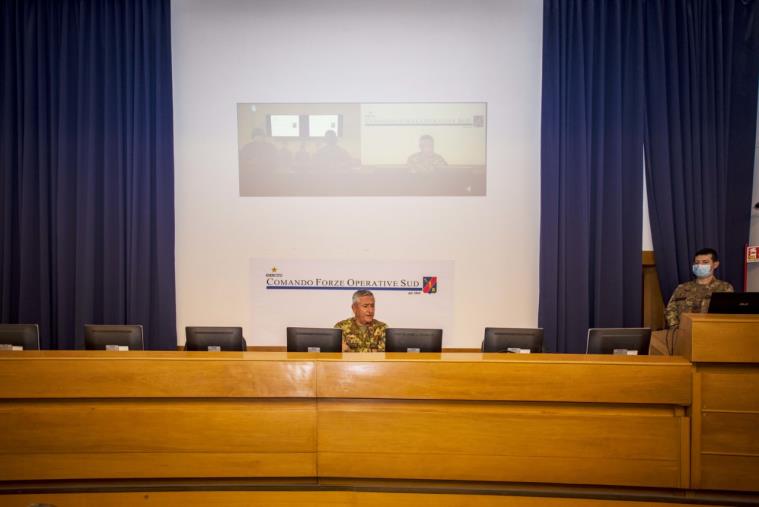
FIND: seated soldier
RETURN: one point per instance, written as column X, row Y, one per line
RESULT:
column 363, row 333
column 694, row 296
column 426, row 160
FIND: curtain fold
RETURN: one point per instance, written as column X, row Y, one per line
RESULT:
column 701, row 79
column 591, row 169
column 86, row 167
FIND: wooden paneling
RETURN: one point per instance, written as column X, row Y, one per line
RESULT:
column 500, row 468
column 132, row 426
column 640, row 379
column 653, row 303
column 730, row 388
column 498, row 429
column 726, row 439
column 730, row 433
column 451, row 416
column 737, row 473
column 695, row 430
column 713, row 338
column 18, row 467
column 186, row 499
column 417, row 499
column 501, row 442
column 661, row 342
column 167, row 438
column 147, row 375
column 299, row 498
column 725, row 410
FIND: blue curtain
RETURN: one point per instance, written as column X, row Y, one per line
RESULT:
column 591, row 169
column 676, row 80
column 86, row 167
column 702, row 63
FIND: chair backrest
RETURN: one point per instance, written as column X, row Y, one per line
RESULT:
column 314, row 339
column 501, row 339
column 214, row 338
column 608, row 340
column 104, row 336
column 26, row 336
column 413, row 340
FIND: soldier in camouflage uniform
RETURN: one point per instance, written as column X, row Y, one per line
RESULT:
column 363, row 333
column 426, row 160
column 694, row 296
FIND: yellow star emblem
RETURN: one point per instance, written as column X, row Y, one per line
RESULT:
column 274, row 269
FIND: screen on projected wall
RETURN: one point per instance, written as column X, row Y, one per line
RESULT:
column 362, row 149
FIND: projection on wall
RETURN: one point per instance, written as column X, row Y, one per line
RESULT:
column 362, row 149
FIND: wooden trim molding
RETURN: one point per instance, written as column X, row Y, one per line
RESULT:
column 652, row 304
column 649, row 258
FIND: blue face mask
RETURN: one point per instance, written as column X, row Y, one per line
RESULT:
column 702, row 270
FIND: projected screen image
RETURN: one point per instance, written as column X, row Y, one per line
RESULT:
column 319, row 124
column 349, row 149
column 307, row 125
column 284, row 125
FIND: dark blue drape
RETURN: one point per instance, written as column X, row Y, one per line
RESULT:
column 86, row 167
column 591, row 169
column 676, row 79
column 702, row 59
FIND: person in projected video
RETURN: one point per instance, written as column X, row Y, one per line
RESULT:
column 259, row 154
column 302, row 159
column 426, row 160
column 332, row 157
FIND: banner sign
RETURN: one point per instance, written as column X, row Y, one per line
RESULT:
column 317, row 293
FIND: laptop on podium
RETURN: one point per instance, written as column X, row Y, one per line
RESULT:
column 734, row 302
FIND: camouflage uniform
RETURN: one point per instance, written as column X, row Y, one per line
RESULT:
column 692, row 297
column 360, row 338
column 426, row 162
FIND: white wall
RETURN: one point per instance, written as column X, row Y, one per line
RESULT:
column 229, row 51
column 648, row 241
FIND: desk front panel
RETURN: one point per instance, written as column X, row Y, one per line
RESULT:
column 562, row 419
column 508, row 377
column 726, row 427
column 718, row 338
column 101, row 374
column 151, row 438
column 499, row 441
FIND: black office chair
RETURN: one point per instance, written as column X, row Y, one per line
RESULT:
column 501, row 339
column 26, row 336
column 413, row 340
column 314, row 339
column 215, row 339
column 619, row 340
column 105, row 337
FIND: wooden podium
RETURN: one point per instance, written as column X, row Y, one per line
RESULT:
column 724, row 350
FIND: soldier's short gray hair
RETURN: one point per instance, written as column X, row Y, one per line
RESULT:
column 361, row 293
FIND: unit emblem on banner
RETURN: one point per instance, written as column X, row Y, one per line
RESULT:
column 429, row 284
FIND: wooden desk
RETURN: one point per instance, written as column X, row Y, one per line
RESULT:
column 724, row 350
column 570, row 419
